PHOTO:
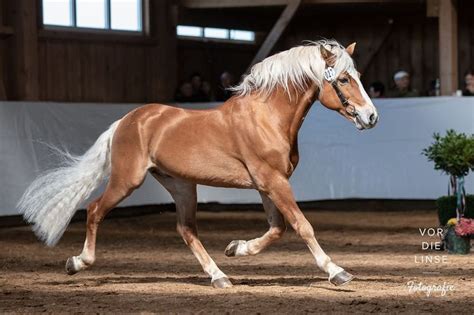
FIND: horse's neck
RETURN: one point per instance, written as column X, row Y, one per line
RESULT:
column 292, row 110
column 282, row 113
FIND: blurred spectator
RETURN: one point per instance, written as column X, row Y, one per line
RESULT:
column 198, row 93
column 185, row 93
column 196, row 81
column 207, row 90
column 227, row 80
column 376, row 90
column 402, row 86
column 468, row 83
column 434, row 88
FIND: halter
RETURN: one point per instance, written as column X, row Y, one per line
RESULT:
column 330, row 76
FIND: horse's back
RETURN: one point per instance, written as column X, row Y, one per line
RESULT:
column 197, row 145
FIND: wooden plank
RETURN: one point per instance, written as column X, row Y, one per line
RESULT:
column 276, row 31
column 432, row 8
column 209, row 4
column 374, row 48
column 392, row 53
column 448, row 44
column 57, row 56
column 464, row 54
column 430, row 52
column 74, row 73
column 5, row 31
column 206, row 4
column 3, row 93
column 416, row 47
column 162, row 68
column 24, row 69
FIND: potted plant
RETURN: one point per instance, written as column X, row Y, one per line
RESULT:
column 453, row 154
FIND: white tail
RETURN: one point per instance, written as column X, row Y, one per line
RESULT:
column 50, row 202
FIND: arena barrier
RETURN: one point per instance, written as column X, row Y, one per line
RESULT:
column 336, row 160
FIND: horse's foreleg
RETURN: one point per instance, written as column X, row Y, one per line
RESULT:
column 185, row 197
column 256, row 245
column 279, row 191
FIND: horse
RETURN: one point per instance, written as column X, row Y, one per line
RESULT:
column 249, row 142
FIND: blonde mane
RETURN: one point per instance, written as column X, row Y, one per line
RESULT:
column 294, row 68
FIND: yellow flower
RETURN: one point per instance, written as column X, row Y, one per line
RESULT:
column 452, row 221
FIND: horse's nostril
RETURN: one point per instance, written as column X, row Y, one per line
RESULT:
column 372, row 118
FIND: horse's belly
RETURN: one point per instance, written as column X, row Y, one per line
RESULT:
column 209, row 169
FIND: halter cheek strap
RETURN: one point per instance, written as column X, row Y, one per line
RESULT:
column 330, row 76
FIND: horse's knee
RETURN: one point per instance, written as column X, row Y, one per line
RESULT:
column 304, row 230
column 188, row 233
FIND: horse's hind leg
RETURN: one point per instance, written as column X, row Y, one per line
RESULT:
column 123, row 182
column 256, row 245
column 185, row 197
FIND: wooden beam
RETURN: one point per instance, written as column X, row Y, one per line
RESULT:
column 374, row 48
column 5, row 31
column 210, row 4
column 448, row 44
column 432, row 8
column 3, row 93
column 24, row 53
column 276, row 31
column 161, row 57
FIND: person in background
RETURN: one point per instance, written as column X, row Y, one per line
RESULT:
column 227, row 80
column 377, row 90
column 198, row 93
column 468, row 83
column 185, row 93
column 207, row 90
column 402, row 85
column 434, row 88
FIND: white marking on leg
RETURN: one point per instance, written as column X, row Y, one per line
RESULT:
column 323, row 261
column 242, row 249
column 276, row 230
column 85, row 259
column 214, row 272
column 78, row 264
column 207, row 263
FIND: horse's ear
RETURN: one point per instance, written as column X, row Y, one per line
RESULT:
column 327, row 55
column 350, row 49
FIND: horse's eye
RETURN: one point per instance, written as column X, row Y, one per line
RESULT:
column 344, row 80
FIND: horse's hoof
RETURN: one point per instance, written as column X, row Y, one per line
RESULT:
column 231, row 249
column 71, row 266
column 342, row 278
column 222, row 283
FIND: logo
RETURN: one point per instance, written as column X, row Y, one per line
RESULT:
column 428, row 289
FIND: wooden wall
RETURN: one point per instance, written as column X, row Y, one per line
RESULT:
column 466, row 37
column 99, row 72
column 211, row 59
column 38, row 64
column 93, row 67
column 389, row 38
column 386, row 42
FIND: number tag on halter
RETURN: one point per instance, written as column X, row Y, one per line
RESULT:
column 329, row 74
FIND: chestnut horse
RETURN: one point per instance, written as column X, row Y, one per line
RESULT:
column 251, row 141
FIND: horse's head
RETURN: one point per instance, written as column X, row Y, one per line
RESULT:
column 343, row 91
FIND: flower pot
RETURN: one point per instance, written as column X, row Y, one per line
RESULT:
column 447, row 208
column 456, row 244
